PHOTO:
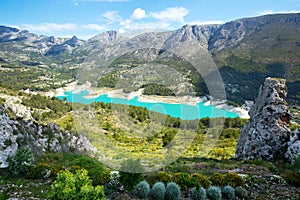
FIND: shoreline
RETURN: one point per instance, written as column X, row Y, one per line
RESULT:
column 113, row 93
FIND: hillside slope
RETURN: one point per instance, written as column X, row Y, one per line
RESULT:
column 246, row 51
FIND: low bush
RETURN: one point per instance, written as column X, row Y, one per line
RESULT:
column 93, row 166
column 172, row 191
column 158, row 191
column 228, row 192
column 198, row 193
column 154, row 177
column 292, row 178
column 234, row 180
column 214, row 193
column 183, row 180
column 21, row 163
column 131, row 173
column 241, row 192
column 218, row 179
column 201, row 180
column 40, row 170
column 164, row 177
column 142, row 189
column 76, row 186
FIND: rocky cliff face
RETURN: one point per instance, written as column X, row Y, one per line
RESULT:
column 50, row 138
column 267, row 134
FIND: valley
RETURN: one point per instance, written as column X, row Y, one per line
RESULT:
column 166, row 106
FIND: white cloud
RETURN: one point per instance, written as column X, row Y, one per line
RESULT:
column 95, row 27
column 138, row 13
column 112, row 17
column 205, row 22
column 126, row 23
column 172, row 14
column 129, row 25
column 50, row 27
column 268, row 12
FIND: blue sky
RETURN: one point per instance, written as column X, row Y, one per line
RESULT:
column 85, row 18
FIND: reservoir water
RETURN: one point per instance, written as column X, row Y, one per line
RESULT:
column 182, row 111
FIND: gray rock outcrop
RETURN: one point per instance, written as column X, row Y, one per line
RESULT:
column 293, row 151
column 40, row 138
column 8, row 140
column 267, row 134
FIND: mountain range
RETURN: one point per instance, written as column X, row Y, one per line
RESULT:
column 245, row 51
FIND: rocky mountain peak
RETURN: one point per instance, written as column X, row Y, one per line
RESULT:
column 72, row 42
column 5, row 29
column 107, row 37
column 267, row 134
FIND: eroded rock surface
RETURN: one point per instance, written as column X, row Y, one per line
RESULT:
column 267, row 134
column 40, row 138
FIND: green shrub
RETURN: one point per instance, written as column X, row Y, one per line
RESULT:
column 234, row 180
column 158, row 191
column 198, row 193
column 128, row 179
column 214, row 193
column 142, row 189
column 158, row 177
column 114, row 183
column 172, row 191
column 218, row 179
column 21, row 163
column 41, row 170
column 104, row 177
column 93, row 166
column 201, row 180
column 292, row 177
column 76, row 186
column 183, row 180
column 55, row 170
column 164, row 177
column 241, row 192
column 152, row 178
column 73, row 168
column 228, row 192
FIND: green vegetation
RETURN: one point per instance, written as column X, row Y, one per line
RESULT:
column 142, row 189
column 228, row 192
column 198, row 193
column 34, row 78
column 200, row 180
column 21, row 163
column 218, row 179
column 158, row 191
column 2, row 101
column 109, row 80
column 55, row 107
column 59, row 161
column 157, row 89
column 214, row 193
column 172, row 191
column 241, row 192
column 76, row 186
column 131, row 173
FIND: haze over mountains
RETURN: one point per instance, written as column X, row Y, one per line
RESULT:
column 246, row 51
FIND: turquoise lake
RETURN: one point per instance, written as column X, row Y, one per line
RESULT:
column 182, row 111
